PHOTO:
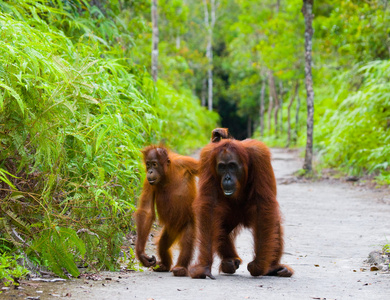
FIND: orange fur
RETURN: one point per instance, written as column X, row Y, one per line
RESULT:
column 173, row 198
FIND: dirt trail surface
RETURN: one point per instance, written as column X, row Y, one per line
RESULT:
column 330, row 228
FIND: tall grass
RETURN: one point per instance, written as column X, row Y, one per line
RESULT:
column 74, row 112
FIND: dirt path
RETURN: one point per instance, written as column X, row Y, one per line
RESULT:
column 330, row 228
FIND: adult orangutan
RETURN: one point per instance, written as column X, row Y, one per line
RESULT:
column 170, row 186
column 237, row 188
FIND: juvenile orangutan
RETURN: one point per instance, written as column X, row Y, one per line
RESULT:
column 170, row 187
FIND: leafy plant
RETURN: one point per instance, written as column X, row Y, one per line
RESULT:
column 74, row 111
column 3, row 177
column 58, row 246
column 10, row 270
column 355, row 136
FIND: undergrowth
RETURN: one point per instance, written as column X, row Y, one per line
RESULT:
column 74, row 112
column 354, row 136
column 10, row 270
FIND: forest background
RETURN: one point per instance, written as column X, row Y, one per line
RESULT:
column 77, row 103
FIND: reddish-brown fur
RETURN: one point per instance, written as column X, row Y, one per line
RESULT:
column 254, row 206
column 173, row 197
column 219, row 134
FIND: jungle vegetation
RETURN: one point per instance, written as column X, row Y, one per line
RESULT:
column 78, row 102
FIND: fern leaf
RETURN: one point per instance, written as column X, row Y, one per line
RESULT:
column 57, row 246
column 15, row 95
column 18, row 220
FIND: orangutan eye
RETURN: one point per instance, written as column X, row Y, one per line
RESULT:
column 232, row 167
column 221, row 167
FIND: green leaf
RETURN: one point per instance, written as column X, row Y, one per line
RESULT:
column 15, row 95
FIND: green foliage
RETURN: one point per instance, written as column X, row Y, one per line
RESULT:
column 350, row 66
column 188, row 122
column 131, row 262
column 383, row 178
column 3, row 177
column 10, row 270
column 353, row 30
column 58, row 246
column 355, row 136
column 76, row 106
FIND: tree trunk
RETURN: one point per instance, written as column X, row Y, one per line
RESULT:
column 210, row 87
column 270, row 104
column 154, row 40
column 203, row 93
column 178, row 41
column 249, row 127
column 293, row 96
column 307, row 10
column 276, row 112
column 262, row 95
column 272, row 89
column 210, row 23
column 297, row 120
column 281, row 95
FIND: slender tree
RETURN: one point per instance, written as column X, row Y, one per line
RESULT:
column 249, row 127
column 154, row 40
column 203, row 92
column 178, row 41
column 262, row 95
column 281, row 95
column 270, row 107
column 295, row 138
column 293, row 96
column 272, row 91
column 209, row 19
column 307, row 10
